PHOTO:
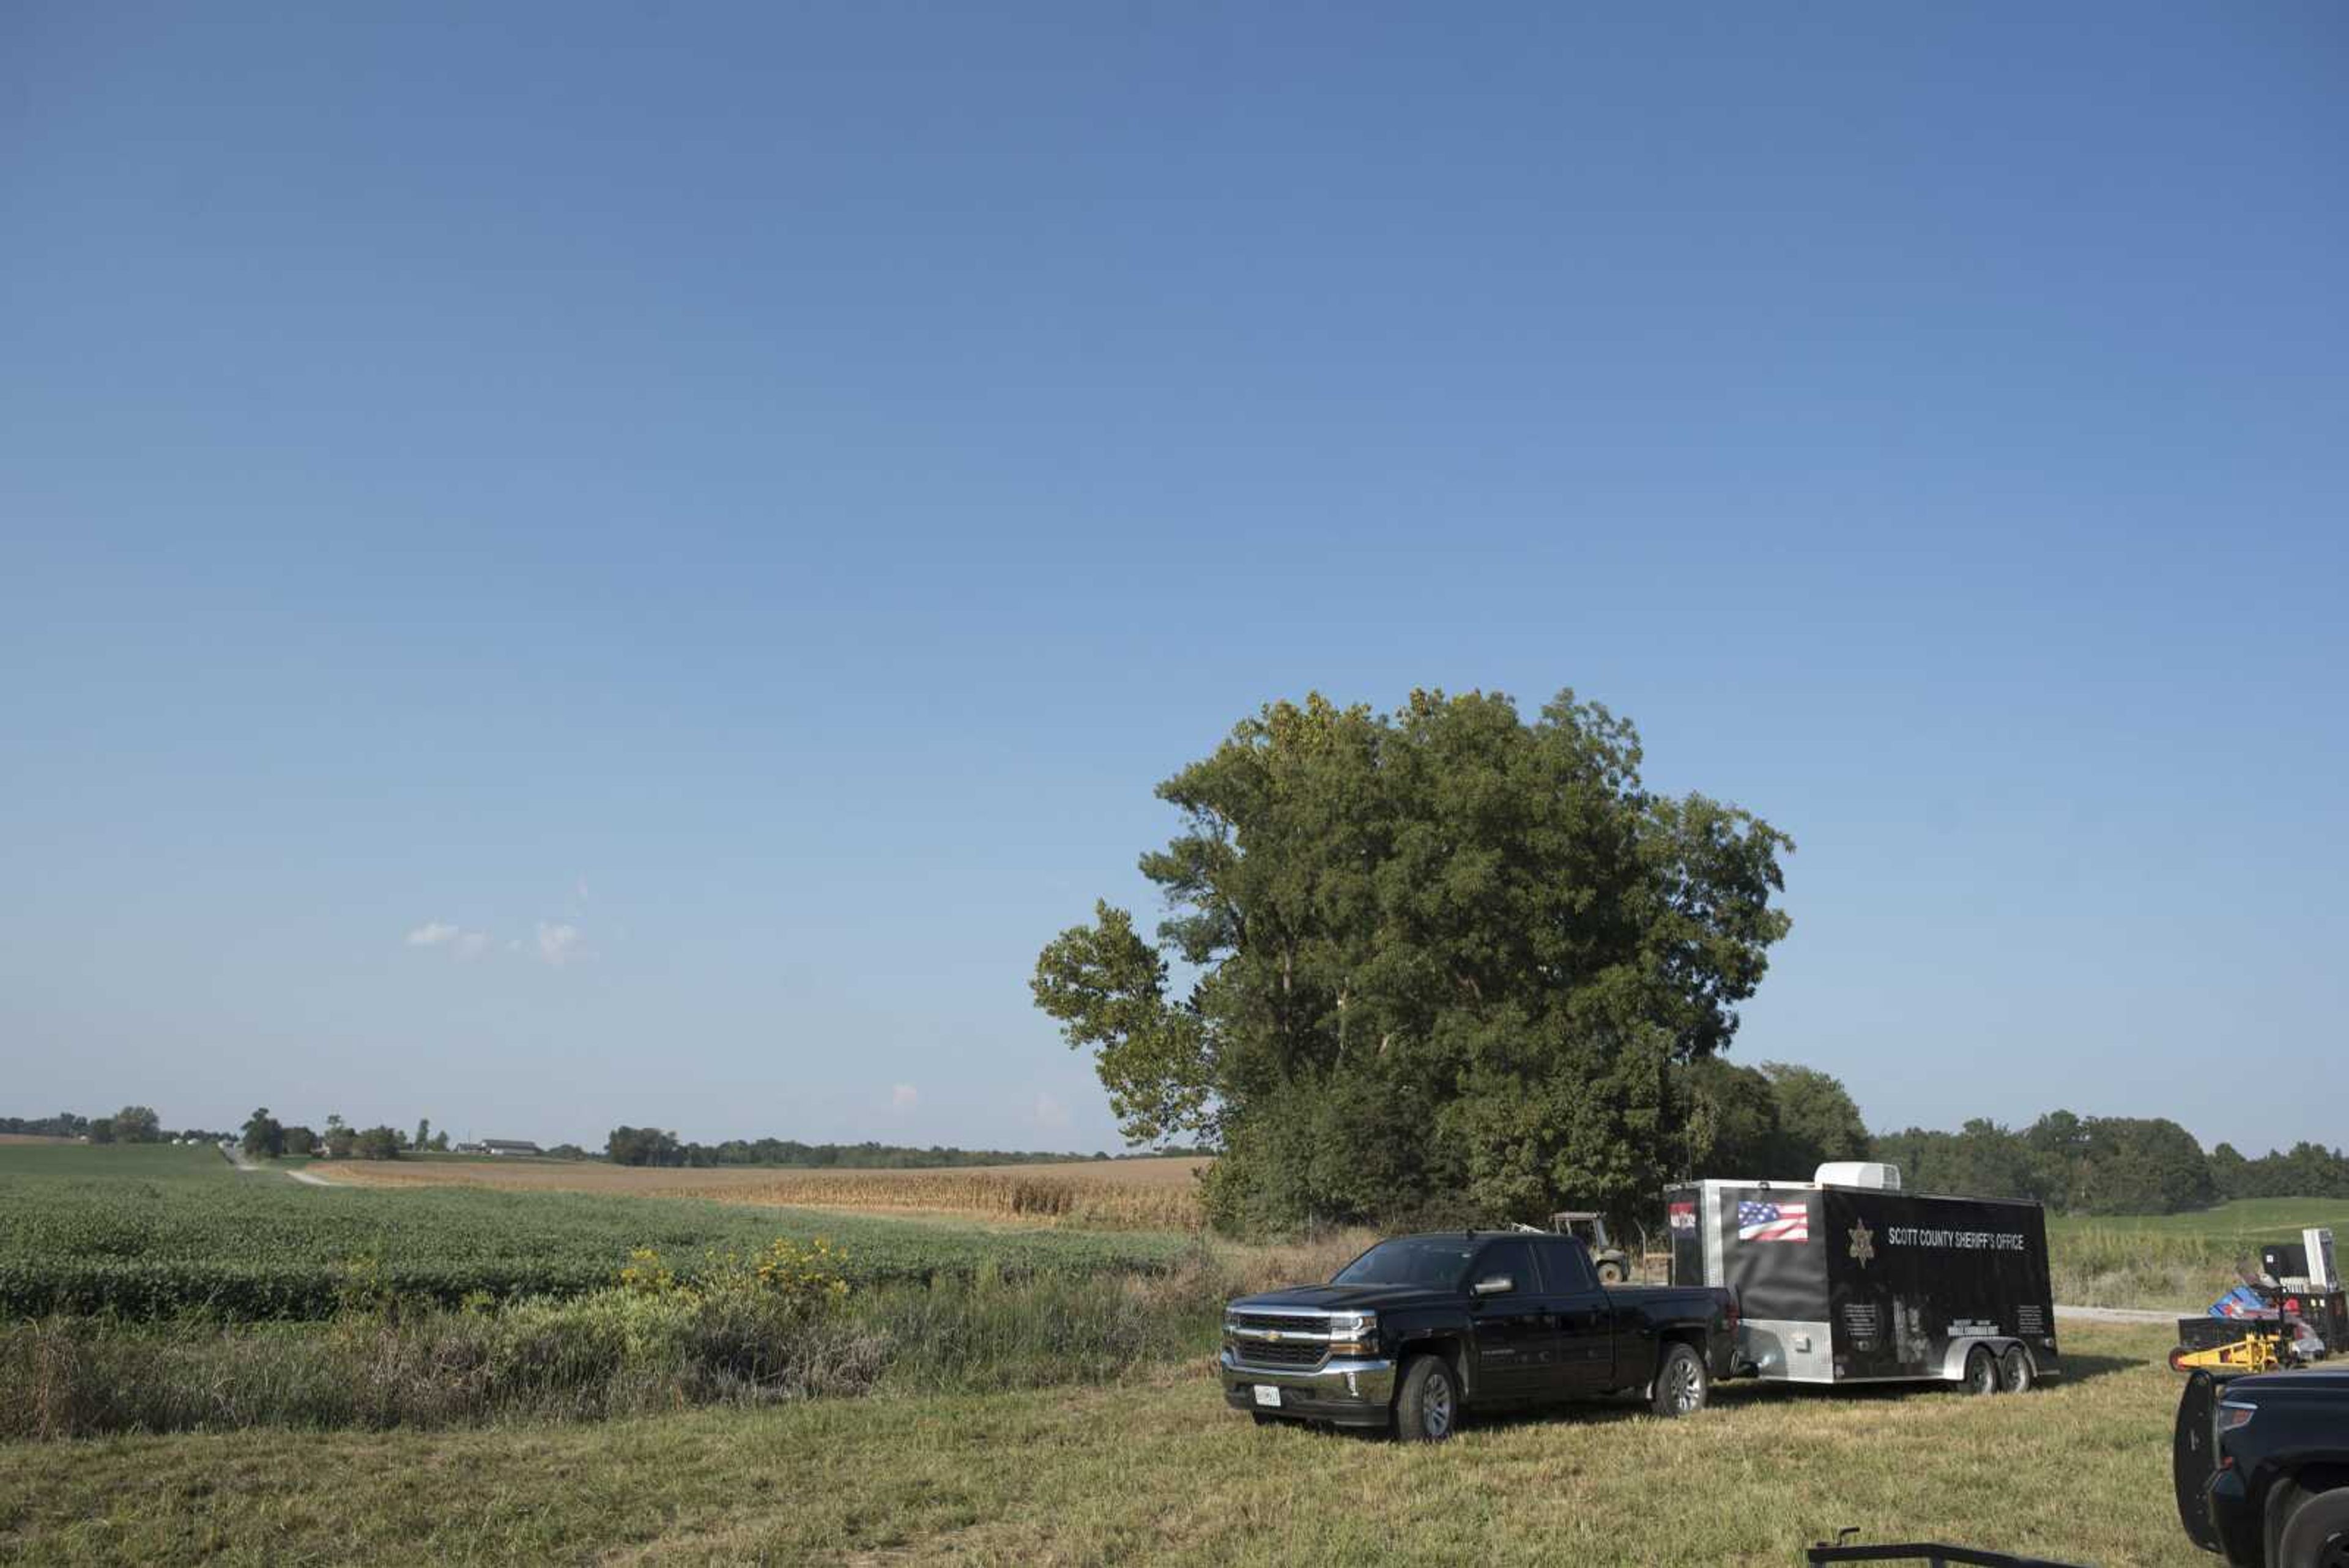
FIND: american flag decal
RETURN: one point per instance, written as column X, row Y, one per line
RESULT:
column 1764, row 1221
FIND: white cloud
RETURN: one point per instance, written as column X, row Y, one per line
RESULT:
column 462, row 945
column 1050, row 1113
column 558, row 943
column 902, row 1098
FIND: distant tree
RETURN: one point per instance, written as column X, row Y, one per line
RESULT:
column 101, row 1131
column 2133, row 1165
column 301, row 1140
column 341, row 1141
column 2230, row 1172
column 423, row 1138
column 138, row 1123
column 1817, row 1121
column 643, row 1145
column 441, row 1143
column 1982, row 1159
column 264, row 1137
column 378, row 1143
column 566, row 1151
column 1729, row 1125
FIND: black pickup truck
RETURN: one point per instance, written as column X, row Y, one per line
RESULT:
column 1419, row 1328
column 2261, row 1466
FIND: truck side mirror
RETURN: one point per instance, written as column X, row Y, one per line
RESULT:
column 1493, row 1286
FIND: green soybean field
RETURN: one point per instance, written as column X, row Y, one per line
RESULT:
column 170, row 1233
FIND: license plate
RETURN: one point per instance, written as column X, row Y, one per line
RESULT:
column 1266, row 1394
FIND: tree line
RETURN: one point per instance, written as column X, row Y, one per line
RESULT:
column 132, row 1123
column 2108, row 1165
column 263, row 1137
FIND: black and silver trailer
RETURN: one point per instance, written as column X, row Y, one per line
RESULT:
column 1847, row 1279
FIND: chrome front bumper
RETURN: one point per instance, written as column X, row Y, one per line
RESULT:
column 1353, row 1391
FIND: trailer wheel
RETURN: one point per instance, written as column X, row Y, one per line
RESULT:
column 1682, row 1384
column 1427, row 1407
column 2016, row 1373
column 1981, row 1371
column 1611, row 1273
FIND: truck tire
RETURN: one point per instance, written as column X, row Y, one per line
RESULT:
column 2016, row 1373
column 2317, row 1534
column 1682, row 1386
column 1427, row 1405
column 1981, row 1371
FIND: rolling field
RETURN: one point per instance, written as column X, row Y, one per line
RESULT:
column 2180, row 1261
column 156, row 1232
column 1151, row 1467
column 1122, row 1194
column 74, row 1160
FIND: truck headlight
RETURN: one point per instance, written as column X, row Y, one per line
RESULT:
column 1353, row 1333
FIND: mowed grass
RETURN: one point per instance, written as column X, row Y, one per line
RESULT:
column 1118, row 1194
column 1155, row 1468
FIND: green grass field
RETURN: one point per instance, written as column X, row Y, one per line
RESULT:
column 146, row 1232
column 2176, row 1260
column 1151, row 1467
column 113, row 1161
column 2246, row 1220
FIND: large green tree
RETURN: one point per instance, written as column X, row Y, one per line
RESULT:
column 1445, row 960
column 1818, row 1120
column 264, row 1138
column 138, row 1123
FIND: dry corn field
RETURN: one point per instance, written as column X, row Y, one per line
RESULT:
column 1122, row 1194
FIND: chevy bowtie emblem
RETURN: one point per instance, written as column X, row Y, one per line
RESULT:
column 1272, row 1333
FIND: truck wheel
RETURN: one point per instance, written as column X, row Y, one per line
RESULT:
column 1611, row 1273
column 2317, row 1535
column 1681, row 1382
column 2014, row 1371
column 1981, row 1371
column 1427, row 1407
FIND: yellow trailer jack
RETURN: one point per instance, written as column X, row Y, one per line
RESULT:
column 2248, row 1347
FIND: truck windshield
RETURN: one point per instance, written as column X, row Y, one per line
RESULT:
column 1415, row 1260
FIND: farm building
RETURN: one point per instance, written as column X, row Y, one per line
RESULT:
column 508, row 1146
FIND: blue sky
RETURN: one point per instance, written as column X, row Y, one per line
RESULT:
column 569, row 564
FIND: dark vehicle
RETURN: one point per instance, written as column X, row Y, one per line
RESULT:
column 1420, row 1328
column 2261, row 1466
column 1848, row 1279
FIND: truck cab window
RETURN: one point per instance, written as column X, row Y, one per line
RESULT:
column 1514, row 1259
column 1566, row 1269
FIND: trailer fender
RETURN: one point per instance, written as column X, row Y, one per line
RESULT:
column 1953, row 1363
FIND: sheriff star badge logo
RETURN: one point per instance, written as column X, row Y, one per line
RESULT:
column 1863, row 1248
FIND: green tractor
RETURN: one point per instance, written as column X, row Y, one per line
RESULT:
column 1613, row 1263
